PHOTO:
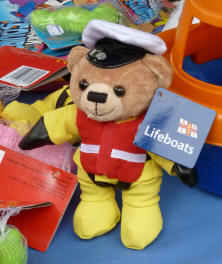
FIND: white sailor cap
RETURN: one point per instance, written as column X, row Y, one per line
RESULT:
column 113, row 45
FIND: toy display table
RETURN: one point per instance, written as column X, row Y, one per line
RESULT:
column 191, row 234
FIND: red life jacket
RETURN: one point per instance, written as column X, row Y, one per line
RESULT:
column 107, row 148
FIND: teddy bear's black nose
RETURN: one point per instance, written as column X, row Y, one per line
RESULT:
column 97, row 97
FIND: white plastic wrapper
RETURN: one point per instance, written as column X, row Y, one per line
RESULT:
column 174, row 18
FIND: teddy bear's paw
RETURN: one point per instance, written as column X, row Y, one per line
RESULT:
column 140, row 226
column 93, row 219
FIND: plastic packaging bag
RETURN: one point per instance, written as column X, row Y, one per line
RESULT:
column 61, row 27
column 139, row 12
column 58, row 156
column 13, row 245
column 174, row 18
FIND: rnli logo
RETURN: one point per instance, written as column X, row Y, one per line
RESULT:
column 187, row 128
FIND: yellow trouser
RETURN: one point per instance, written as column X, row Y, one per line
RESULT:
column 98, row 212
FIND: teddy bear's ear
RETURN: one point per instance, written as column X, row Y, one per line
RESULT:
column 75, row 55
column 161, row 68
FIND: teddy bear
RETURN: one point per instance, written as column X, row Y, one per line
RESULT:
column 113, row 80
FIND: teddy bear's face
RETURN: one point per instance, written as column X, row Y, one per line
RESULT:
column 114, row 94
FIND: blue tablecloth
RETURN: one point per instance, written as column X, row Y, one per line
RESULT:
column 192, row 233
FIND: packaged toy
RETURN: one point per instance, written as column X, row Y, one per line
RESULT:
column 62, row 27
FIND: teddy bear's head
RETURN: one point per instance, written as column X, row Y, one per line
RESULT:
column 115, row 93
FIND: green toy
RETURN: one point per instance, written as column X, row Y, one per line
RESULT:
column 73, row 18
column 13, row 246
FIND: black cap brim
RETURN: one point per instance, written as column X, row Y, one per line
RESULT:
column 110, row 53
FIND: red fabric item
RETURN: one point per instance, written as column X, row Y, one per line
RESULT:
column 112, row 144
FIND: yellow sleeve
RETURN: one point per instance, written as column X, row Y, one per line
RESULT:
column 166, row 164
column 30, row 113
column 61, row 125
column 52, row 98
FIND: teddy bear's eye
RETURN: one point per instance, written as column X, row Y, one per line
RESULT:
column 83, row 84
column 119, row 90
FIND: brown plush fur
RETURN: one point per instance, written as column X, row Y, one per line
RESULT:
column 140, row 80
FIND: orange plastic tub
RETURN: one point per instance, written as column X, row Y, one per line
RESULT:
column 202, row 43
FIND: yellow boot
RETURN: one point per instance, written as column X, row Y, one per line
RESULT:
column 141, row 217
column 98, row 212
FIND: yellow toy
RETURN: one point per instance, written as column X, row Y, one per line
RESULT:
column 22, row 117
column 112, row 84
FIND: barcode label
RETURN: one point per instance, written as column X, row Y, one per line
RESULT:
column 55, row 30
column 24, row 76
